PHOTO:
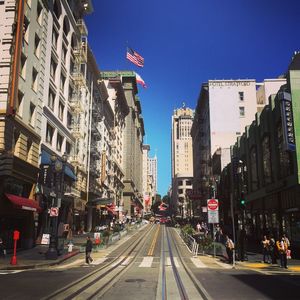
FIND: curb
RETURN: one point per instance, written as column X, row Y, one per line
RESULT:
column 34, row 266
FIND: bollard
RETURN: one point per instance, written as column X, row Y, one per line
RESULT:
column 16, row 237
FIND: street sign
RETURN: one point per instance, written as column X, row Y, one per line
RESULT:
column 53, row 211
column 213, row 211
column 212, row 204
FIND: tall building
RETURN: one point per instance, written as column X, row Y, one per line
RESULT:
column 182, row 159
column 132, row 141
column 224, row 109
column 152, row 171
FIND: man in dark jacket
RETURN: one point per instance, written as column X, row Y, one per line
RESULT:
column 88, row 250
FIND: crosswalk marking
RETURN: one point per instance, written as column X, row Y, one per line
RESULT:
column 99, row 261
column 168, row 262
column 126, row 261
column 147, row 262
column 118, row 261
column 198, row 263
column 225, row 266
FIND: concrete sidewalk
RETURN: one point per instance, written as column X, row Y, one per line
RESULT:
column 35, row 257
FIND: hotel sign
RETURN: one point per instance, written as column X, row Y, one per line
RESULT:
column 223, row 83
column 287, row 120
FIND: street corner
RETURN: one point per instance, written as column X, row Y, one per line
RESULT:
column 260, row 266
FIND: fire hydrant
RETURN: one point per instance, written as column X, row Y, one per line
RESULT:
column 70, row 247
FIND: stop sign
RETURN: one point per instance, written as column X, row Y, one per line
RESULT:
column 212, row 204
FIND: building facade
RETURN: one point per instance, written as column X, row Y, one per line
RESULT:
column 214, row 131
column 182, row 158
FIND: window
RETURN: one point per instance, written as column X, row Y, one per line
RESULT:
column 34, row 79
column 32, row 110
column 241, row 96
column 23, row 66
column 54, row 38
column 37, row 46
column 62, row 82
column 53, row 67
column 68, row 148
column 26, row 29
column 49, row 134
column 59, row 142
column 64, row 54
column 61, row 109
column 285, row 158
column 19, row 104
column 242, row 111
column 69, row 120
column 51, row 99
column 266, row 156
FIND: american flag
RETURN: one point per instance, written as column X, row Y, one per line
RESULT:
column 134, row 57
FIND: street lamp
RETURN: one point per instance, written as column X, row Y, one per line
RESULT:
column 57, row 181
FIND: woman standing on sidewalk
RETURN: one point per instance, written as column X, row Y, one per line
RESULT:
column 282, row 248
column 266, row 249
column 88, row 250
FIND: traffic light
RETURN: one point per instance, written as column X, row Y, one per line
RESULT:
column 242, row 201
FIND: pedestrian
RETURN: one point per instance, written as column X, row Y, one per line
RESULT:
column 88, row 250
column 282, row 249
column 272, row 249
column 2, row 248
column 265, row 249
column 229, row 248
column 286, row 240
column 198, row 227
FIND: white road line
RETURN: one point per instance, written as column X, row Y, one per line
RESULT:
column 99, row 261
column 118, row 261
column 126, row 261
column 225, row 266
column 147, row 262
column 198, row 263
column 7, row 272
column 168, row 262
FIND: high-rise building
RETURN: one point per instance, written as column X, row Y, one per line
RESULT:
column 152, row 167
column 182, row 159
column 224, row 109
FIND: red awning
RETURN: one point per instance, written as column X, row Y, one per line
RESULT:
column 23, row 203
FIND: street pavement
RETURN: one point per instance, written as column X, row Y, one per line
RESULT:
column 35, row 258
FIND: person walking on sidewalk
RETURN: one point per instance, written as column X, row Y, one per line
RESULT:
column 88, row 250
column 273, row 250
column 282, row 249
column 229, row 248
column 266, row 249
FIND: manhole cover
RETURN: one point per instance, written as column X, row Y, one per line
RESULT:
column 135, row 280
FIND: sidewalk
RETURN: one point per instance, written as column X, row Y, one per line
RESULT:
column 255, row 261
column 35, row 257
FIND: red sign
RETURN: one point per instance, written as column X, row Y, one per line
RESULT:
column 212, row 204
column 54, row 211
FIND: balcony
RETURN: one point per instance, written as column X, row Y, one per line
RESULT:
column 96, row 134
column 76, row 131
column 78, row 78
column 82, row 27
column 80, row 53
column 72, row 192
column 95, row 152
column 76, row 105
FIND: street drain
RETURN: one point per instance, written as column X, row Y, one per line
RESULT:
column 135, row 280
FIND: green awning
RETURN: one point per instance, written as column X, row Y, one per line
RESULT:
column 99, row 201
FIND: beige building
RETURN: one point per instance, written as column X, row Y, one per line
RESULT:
column 182, row 158
column 224, row 109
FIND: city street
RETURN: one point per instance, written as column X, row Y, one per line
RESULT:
column 153, row 263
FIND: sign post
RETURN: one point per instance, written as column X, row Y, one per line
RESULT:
column 213, row 216
column 16, row 237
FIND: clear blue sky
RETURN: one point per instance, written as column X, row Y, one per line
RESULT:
column 186, row 43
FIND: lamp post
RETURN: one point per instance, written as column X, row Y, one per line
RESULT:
column 57, row 181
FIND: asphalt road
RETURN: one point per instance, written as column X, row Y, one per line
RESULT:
column 141, row 274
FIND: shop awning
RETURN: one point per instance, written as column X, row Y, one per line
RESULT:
column 45, row 160
column 99, row 201
column 23, row 203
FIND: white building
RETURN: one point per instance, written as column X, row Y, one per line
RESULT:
column 182, row 158
column 224, row 109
